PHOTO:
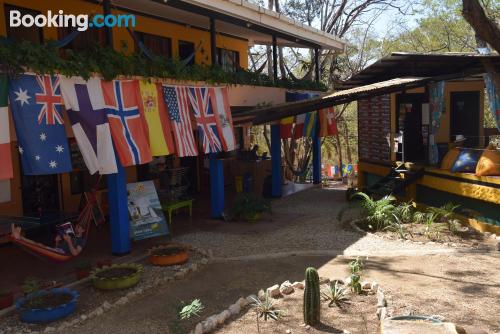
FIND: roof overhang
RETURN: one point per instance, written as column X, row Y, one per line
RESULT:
column 237, row 18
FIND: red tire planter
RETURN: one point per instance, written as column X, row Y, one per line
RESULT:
column 158, row 259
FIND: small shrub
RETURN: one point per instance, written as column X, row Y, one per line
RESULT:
column 335, row 294
column 378, row 213
column 190, row 310
column 265, row 309
column 356, row 266
column 248, row 206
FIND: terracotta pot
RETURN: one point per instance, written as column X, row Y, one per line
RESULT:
column 169, row 260
column 6, row 300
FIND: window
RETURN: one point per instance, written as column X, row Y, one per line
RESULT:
column 159, row 45
column 186, row 51
column 228, row 59
column 84, row 39
column 33, row 34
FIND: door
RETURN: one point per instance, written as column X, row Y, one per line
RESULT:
column 40, row 195
column 465, row 117
column 409, row 115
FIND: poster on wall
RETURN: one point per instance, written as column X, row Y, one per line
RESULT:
column 146, row 216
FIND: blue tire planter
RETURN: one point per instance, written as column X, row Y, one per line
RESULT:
column 45, row 315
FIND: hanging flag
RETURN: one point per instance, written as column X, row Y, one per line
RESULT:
column 6, row 171
column 286, row 125
column 177, row 100
column 298, row 129
column 5, row 191
column 84, row 104
column 128, row 128
column 310, row 124
column 155, row 114
column 205, row 119
column 327, row 122
column 220, row 103
column 35, row 101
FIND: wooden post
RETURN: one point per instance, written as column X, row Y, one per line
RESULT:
column 213, row 41
column 276, row 160
column 316, row 151
column 316, row 65
column 275, row 59
column 216, row 186
column 106, row 8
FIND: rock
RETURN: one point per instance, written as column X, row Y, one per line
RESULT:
column 298, row 285
column 261, row 294
column 307, row 327
column 382, row 313
column 251, row 299
column 222, row 317
column 234, row 309
column 242, row 302
column 348, row 280
column 180, row 274
column 99, row 311
column 345, row 331
column 274, row 291
column 198, row 329
column 204, row 261
column 381, row 302
column 209, row 324
column 49, row 330
column 498, row 245
column 122, row 301
column 194, row 267
column 83, row 317
column 106, row 305
column 454, row 244
column 286, row 288
column 408, row 327
column 472, row 330
column 288, row 331
column 74, row 322
column 366, row 285
column 374, row 286
column 431, row 243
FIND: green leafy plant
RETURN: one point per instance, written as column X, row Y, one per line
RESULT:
column 378, row 213
column 356, row 266
column 404, row 212
column 48, row 59
column 398, row 227
column 445, row 214
column 193, row 309
column 355, row 283
column 335, row 293
column 249, row 206
column 312, row 302
column 30, row 285
column 265, row 309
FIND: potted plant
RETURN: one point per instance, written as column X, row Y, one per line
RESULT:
column 47, row 305
column 168, row 255
column 83, row 269
column 249, row 207
column 117, row 276
column 6, row 299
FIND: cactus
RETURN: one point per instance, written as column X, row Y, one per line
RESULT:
column 312, row 303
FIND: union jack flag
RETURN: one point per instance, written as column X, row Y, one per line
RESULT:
column 128, row 128
column 50, row 99
column 177, row 100
column 205, row 119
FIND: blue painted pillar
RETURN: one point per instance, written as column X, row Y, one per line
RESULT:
column 276, row 160
column 316, row 142
column 216, row 186
column 118, row 212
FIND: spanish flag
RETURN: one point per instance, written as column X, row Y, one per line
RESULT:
column 327, row 122
column 155, row 113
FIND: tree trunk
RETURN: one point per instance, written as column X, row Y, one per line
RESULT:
column 347, row 144
column 485, row 28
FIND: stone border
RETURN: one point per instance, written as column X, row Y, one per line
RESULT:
column 213, row 322
column 135, row 292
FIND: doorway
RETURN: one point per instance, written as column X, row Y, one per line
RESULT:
column 409, row 121
column 40, row 195
column 465, row 117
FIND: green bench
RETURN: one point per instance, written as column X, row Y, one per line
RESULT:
column 172, row 206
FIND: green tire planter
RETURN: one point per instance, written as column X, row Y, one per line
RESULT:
column 102, row 278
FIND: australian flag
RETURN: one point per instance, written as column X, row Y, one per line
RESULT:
column 36, row 105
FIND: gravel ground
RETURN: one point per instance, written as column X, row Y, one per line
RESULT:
column 305, row 221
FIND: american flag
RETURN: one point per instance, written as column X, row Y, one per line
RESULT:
column 177, row 101
column 205, row 119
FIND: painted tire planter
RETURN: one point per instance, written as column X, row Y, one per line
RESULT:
column 117, row 276
column 168, row 255
column 47, row 314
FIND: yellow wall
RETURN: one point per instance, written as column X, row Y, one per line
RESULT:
column 200, row 38
column 176, row 32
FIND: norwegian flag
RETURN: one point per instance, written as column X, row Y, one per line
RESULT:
column 177, row 100
column 128, row 128
column 205, row 119
column 49, row 100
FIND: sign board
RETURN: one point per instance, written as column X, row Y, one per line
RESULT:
column 146, row 215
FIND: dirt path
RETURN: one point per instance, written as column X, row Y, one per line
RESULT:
column 463, row 288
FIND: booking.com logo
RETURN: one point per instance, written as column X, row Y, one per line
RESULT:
column 81, row 22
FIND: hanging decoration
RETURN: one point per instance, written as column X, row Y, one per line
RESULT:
column 219, row 97
column 36, row 105
column 155, row 113
column 128, row 128
column 436, row 101
column 493, row 98
column 327, row 122
column 310, row 124
column 85, row 107
column 286, row 127
column 6, row 171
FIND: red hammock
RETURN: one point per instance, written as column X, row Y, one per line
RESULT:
column 55, row 254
